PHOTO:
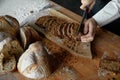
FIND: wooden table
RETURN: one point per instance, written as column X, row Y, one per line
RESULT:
column 77, row 67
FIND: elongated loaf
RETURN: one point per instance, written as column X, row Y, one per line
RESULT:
column 63, row 33
column 58, row 27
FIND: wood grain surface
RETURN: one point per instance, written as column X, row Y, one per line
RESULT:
column 67, row 66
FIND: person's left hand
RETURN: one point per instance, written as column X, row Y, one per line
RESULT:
column 89, row 30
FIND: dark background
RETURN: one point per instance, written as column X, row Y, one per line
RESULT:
column 74, row 5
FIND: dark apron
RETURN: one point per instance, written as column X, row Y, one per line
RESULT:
column 98, row 6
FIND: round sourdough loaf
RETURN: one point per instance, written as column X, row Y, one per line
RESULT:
column 34, row 62
column 10, row 51
column 9, row 24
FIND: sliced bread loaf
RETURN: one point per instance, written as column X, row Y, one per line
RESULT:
column 63, row 33
column 10, row 51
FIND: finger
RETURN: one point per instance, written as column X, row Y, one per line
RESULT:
column 90, row 38
column 83, row 39
column 87, row 38
column 91, row 30
column 86, row 28
column 83, row 7
column 90, row 35
column 92, row 4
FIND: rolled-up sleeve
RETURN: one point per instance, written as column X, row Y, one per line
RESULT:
column 109, row 13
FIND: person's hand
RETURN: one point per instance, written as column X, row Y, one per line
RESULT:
column 89, row 30
column 89, row 3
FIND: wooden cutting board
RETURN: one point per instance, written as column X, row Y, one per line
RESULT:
column 84, row 49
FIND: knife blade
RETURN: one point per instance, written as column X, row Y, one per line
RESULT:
column 81, row 27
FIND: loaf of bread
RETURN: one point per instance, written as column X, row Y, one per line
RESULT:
column 10, row 51
column 34, row 62
column 63, row 33
column 28, row 35
column 58, row 27
column 9, row 24
column 109, row 67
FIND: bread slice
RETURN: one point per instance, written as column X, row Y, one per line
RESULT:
column 28, row 35
column 9, row 24
column 10, row 51
column 63, row 33
column 25, row 37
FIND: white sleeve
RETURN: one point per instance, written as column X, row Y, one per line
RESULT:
column 109, row 13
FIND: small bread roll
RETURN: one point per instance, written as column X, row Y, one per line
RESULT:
column 34, row 62
column 9, row 24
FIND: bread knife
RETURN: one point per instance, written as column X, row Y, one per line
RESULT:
column 81, row 27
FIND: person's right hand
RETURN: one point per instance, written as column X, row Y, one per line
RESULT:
column 89, row 3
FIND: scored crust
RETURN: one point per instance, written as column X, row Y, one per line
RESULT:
column 34, row 62
column 28, row 35
column 9, row 24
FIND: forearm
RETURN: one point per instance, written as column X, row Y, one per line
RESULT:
column 109, row 13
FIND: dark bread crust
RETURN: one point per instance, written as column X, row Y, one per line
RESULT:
column 9, row 25
column 28, row 35
column 57, row 26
